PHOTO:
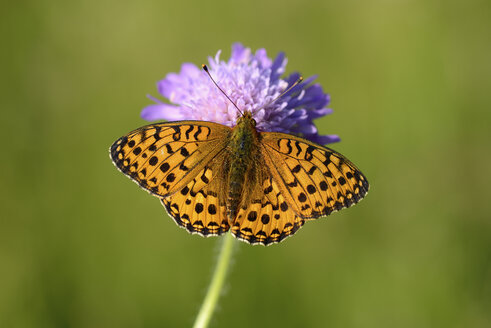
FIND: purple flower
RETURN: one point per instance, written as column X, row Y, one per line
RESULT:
column 252, row 82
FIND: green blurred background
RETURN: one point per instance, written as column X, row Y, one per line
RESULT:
column 82, row 246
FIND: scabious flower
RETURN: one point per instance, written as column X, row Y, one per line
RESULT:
column 252, row 81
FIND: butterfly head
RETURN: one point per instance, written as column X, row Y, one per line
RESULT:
column 246, row 120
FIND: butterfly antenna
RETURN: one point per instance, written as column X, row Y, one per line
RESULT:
column 297, row 82
column 205, row 68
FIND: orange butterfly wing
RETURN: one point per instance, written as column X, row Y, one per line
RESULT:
column 314, row 179
column 297, row 180
column 179, row 162
column 200, row 206
column 163, row 158
column 264, row 216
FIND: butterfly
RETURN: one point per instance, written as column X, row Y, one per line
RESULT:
column 262, row 186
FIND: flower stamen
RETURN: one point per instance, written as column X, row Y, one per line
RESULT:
column 297, row 82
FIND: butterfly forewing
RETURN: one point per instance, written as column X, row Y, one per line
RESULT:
column 314, row 180
column 163, row 158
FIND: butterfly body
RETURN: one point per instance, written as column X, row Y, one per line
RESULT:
column 261, row 186
column 242, row 148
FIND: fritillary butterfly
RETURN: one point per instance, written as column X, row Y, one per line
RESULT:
column 262, row 186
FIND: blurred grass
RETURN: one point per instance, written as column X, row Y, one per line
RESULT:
column 81, row 246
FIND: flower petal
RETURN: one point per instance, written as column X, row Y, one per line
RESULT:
column 162, row 112
column 240, row 54
column 325, row 139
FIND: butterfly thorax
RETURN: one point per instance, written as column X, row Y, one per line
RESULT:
column 243, row 150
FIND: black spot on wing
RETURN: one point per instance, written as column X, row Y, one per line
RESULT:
column 177, row 133
column 169, row 149
column 299, row 149
column 308, row 153
column 188, row 130
column 197, row 133
column 289, row 146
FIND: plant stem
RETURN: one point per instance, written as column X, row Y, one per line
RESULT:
column 216, row 284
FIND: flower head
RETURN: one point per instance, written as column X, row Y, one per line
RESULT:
column 252, row 81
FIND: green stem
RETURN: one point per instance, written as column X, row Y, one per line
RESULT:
column 216, row 284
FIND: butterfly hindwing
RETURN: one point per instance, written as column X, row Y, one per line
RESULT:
column 200, row 207
column 264, row 216
column 162, row 158
column 314, row 180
